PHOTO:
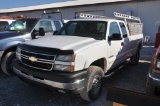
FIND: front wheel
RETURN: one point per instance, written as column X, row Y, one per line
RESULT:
column 6, row 64
column 93, row 85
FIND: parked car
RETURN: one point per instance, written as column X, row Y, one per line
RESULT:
column 5, row 21
column 20, row 31
column 153, row 78
column 79, row 55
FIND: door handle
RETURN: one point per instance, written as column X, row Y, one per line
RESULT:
column 122, row 44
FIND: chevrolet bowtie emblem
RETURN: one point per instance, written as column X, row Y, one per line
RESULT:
column 33, row 59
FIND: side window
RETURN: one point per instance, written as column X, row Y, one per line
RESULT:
column 114, row 29
column 57, row 25
column 123, row 29
column 44, row 24
column 3, row 24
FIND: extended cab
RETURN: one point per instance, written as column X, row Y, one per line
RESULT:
column 20, row 31
column 80, row 54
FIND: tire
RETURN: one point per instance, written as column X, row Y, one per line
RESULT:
column 135, row 59
column 6, row 63
column 93, row 85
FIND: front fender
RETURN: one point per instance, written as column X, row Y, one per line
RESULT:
column 93, row 59
column 6, row 44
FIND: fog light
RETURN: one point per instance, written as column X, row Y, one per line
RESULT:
column 61, row 91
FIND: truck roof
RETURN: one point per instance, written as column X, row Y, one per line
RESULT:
column 98, row 19
column 28, row 19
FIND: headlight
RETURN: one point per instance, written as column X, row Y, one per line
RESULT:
column 18, row 53
column 64, row 68
column 65, row 58
column 158, row 64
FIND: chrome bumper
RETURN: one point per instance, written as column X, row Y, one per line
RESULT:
column 153, row 78
column 1, row 53
column 154, row 81
column 78, row 85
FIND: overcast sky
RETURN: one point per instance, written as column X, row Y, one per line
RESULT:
column 4, row 4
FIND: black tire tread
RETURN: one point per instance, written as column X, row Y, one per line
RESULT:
column 5, row 60
column 91, row 72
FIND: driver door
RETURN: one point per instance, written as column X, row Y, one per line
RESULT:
column 114, row 48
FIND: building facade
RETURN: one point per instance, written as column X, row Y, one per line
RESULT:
column 148, row 11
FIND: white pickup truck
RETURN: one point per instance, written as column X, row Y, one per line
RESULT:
column 79, row 55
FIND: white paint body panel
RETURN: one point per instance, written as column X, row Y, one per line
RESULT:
column 88, row 50
column 8, row 20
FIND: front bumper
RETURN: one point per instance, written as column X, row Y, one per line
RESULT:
column 1, row 54
column 58, row 80
column 154, row 79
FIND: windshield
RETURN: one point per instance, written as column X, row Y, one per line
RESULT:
column 23, row 25
column 93, row 29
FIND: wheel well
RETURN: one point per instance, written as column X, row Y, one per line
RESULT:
column 8, row 50
column 101, row 63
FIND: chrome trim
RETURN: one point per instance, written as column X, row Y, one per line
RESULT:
column 39, row 68
column 1, row 53
column 156, row 79
column 37, row 53
column 39, row 60
column 77, row 85
column 27, row 58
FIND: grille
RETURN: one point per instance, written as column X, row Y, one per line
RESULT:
column 43, row 61
column 37, row 55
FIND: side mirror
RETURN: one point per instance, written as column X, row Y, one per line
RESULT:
column 125, row 35
column 115, row 36
column 34, row 34
column 41, row 32
column 55, row 32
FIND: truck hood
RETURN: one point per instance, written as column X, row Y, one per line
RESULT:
column 64, row 42
column 7, row 34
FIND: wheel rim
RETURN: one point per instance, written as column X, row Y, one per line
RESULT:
column 96, row 85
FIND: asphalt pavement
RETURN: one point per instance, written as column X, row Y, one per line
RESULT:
column 14, row 92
